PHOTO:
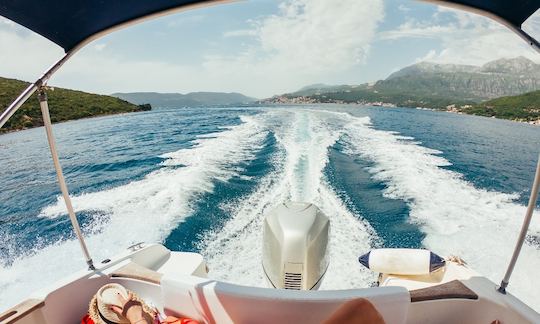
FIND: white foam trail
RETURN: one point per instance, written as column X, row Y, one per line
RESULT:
column 478, row 225
column 458, row 218
column 304, row 138
column 144, row 210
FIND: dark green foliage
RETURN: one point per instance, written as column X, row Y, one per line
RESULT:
column 64, row 105
column 525, row 107
column 145, row 107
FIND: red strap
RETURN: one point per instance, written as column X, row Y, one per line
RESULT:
column 87, row 320
column 175, row 320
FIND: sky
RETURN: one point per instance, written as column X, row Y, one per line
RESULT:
column 266, row 47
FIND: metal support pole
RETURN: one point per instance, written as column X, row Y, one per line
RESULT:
column 27, row 93
column 524, row 228
column 42, row 96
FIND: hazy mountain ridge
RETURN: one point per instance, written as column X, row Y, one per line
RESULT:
column 503, row 77
column 317, row 89
column 429, row 67
column 192, row 99
column 519, row 65
column 515, row 66
column 430, row 85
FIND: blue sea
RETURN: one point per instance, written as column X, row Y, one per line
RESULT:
column 202, row 179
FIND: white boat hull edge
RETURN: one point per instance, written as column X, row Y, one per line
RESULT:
column 175, row 282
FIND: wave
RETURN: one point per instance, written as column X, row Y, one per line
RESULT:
column 145, row 210
column 304, row 137
column 459, row 219
column 456, row 217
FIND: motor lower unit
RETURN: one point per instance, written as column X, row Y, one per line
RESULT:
column 295, row 244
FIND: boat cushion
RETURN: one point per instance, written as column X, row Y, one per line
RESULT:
column 213, row 301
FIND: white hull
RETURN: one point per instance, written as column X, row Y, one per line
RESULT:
column 176, row 283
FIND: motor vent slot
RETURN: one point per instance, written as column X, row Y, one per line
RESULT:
column 293, row 281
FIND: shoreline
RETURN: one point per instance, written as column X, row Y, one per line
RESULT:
column 9, row 131
column 390, row 105
column 381, row 104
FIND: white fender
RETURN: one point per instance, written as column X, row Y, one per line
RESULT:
column 402, row 261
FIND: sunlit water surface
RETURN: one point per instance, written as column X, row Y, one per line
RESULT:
column 202, row 180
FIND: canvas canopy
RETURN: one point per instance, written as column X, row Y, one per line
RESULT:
column 70, row 23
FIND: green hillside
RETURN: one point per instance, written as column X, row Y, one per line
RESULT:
column 525, row 107
column 64, row 105
column 402, row 99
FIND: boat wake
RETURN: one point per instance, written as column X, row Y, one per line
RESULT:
column 234, row 252
column 478, row 225
column 454, row 215
column 458, row 219
column 145, row 210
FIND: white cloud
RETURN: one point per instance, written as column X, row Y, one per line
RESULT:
column 307, row 40
column 532, row 25
column 24, row 54
column 414, row 29
column 240, row 33
column 403, row 8
column 100, row 46
column 465, row 38
column 182, row 21
column 4, row 21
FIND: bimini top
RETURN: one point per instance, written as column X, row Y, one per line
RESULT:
column 70, row 23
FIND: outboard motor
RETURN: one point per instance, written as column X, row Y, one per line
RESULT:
column 295, row 242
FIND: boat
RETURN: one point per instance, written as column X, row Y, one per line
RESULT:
column 414, row 286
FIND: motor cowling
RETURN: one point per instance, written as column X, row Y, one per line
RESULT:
column 295, row 243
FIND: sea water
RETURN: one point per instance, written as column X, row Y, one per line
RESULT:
column 202, row 179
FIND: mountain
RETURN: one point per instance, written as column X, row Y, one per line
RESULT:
column 431, row 85
column 503, row 77
column 64, row 104
column 428, row 67
column 320, row 88
column 524, row 107
column 517, row 66
column 192, row 99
